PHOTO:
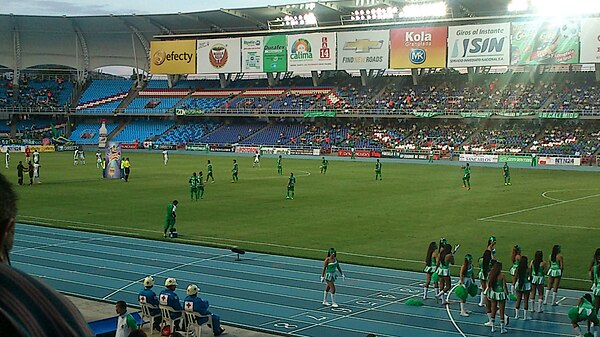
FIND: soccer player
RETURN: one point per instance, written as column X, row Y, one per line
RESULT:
column 165, row 155
column 36, row 156
column 193, row 181
column 234, row 172
column 82, row 156
column 352, row 153
column 290, row 186
column 209, row 173
column 76, row 157
column 7, row 157
column 279, row 167
column 98, row 159
column 170, row 217
column 378, row 170
column 324, row 164
column 200, row 185
column 256, row 159
column 467, row 176
column 506, row 172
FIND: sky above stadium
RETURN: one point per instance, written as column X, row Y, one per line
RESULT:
column 117, row 7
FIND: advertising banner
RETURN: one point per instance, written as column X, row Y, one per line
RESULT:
column 307, row 52
column 590, row 40
column 219, row 56
column 189, row 112
column 252, row 54
column 363, row 50
column 559, row 115
column 218, row 148
column 42, row 148
column 173, row 57
column 275, row 54
column 403, row 155
column 196, row 147
column 275, row 150
column 545, row 42
column 560, row 161
column 246, row 149
column 511, row 159
column 421, row 47
column 479, row 45
column 312, row 114
column 112, row 161
column 478, row 158
column 357, row 153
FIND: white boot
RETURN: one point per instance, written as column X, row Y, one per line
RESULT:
column 525, row 314
column 492, row 325
column 463, row 312
column 554, row 298
column 539, row 309
column 425, row 293
column 516, row 313
column 333, row 304
column 546, row 296
column 490, row 321
column 325, row 298
column 503, row 328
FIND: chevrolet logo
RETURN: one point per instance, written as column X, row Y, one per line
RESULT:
column 363, row 45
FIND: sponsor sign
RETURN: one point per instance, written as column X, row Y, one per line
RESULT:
column 401, row 155
column 559, row 115
column 275, row 150
column 478, row 158
column 43, row 148
column 219, row 56
column 479, row 45
column 307, row 52
column 514, row 159
column 545, row 42
column 12, row 148
column 189, row 112
column 275, row 54
column 252, row 54
column 475, row 114
column 66, row 147
column 196, row 147
column 357, row 153
column 246, row 149
column 218, row 148
column 129, row 146
column 173, row 57
column 164, row 147
column 313, row 114
column 560, row 161
column 421, row 47
column 305, row 151
column 363, row 50
column 590, row 40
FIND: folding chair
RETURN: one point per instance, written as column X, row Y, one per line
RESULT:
column 166, row 312
column 193, row 325
column 147, row 315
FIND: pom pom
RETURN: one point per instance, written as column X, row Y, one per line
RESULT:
column 473, row 290
column 414, row 302
column 461, row 292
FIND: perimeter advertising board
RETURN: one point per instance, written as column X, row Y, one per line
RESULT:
column 275, row 54
column 219, row 56
column 590, row 40
column 419, row 47
column 479, row 45
column 252, row 54
column 545, row 42
column 363, row 50
column 307, row 52
column 173, row 57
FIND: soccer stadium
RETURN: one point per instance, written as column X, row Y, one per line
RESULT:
column 448, row 150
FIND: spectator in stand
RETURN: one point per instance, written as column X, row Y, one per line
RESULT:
column 28, row 307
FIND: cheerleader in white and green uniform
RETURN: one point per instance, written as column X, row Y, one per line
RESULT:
column 329, row 275
column 431, row 262
column 485, row 264
column 522, row 286
column 554, row 274
column 584, row 312
column 467, row 278
column 538, row 272
column 446, row 259
column 515, row 257
column 497, row 294
column 595, row 277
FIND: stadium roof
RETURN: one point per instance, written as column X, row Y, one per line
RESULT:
column 93, row 42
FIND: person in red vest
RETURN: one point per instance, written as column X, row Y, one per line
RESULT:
column 27, row 154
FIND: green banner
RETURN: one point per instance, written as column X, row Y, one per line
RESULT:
column 478, row 114
column 426, row 114
column 514, row 113
column 196, row 147
column 311, row 114
column 509, row 158
column 274, row 54
column 189, row 112
column 545, row 42
column 559, row 115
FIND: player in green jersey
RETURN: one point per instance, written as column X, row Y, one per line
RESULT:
column 378, row 170
column 193, row 181
column 290, row 186
column 170, row 217
column 352, row 153
column 209, row 174
column 506, row 173
column 200, row 185
column 279, row 167
column 467, row 176
column 324, row 164
column 234, row 172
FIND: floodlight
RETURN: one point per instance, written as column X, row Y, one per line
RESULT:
column 433, row 9
column 518, row 6
column 558, row 7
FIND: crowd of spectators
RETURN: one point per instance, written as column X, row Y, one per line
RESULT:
column 35, row 94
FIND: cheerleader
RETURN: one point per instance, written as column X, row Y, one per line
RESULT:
column 497, row 293
column 515, row 257
column 328, row 274
column 522, row 286
column 467, row 278
column 431, row 261
column 595, row 277
column 446, row 259
column 491, row 246
column 554, row 274
column 584, row 312
column 485, row 264
column 538, row 268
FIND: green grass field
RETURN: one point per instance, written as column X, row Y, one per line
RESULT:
column 385, row 223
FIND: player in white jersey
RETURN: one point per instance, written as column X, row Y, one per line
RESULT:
column 98, row 159
column 256, row 159
column 82, row 157
column 7, row 157
column 75, row 157
column 36, row 156
column 165, row 154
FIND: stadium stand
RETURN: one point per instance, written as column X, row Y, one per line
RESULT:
column 142, row 130
column 187, row 133
column 87, row 133
column 232, row 133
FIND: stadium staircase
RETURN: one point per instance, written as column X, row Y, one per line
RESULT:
column 131, row 95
